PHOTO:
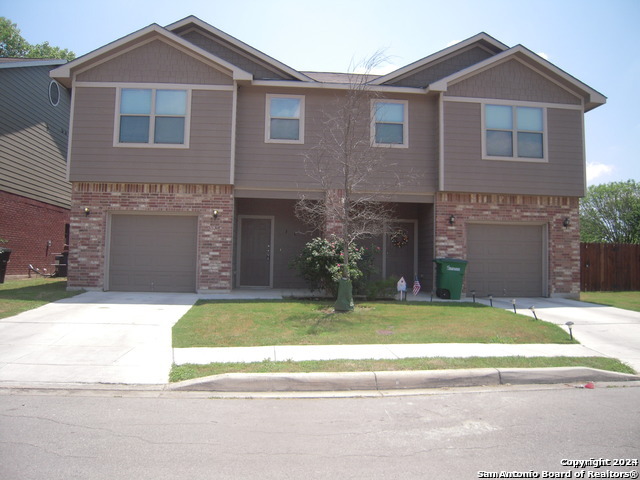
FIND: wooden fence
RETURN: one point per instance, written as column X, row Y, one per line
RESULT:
column 609, row 267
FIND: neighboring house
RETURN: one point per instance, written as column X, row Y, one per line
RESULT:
column 35, row 195
column 186, row 159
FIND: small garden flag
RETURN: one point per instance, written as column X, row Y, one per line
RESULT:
column 416, row 286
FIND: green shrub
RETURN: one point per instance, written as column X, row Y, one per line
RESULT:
column 321, row 264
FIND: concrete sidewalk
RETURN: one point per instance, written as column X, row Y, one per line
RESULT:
column 298, row 353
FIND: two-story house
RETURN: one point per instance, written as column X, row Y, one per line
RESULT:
column 186, row 160
column 35, row 195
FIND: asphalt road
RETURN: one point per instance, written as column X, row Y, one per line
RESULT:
column 449, row 434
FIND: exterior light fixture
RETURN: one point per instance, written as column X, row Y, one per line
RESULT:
column 86, row 211
column 533, row 310
column 452, row 220
column 473, row 294
column 513, row 302
column 491, row 299
column 566, row 222
column 215, row 214
column 570, row 324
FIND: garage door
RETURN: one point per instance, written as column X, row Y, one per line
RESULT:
column 505, row 260
column 153, row 253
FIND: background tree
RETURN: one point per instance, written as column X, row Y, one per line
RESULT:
column 353, row 175
column 610, row 213
column 12, row 44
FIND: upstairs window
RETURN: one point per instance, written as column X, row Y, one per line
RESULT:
column 389, row 126
column 152, row 117
column 514, row 132
column 285, row 119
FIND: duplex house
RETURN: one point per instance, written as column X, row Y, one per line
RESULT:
column 35, row 195
column 186, row 160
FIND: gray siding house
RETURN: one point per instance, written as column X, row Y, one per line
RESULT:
column 186, row 159
column 35, row 195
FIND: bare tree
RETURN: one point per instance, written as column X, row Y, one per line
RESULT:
column 352, row 173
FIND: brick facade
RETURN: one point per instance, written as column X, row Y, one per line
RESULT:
column 28, row 226
column 87, row 259
column 563, row 242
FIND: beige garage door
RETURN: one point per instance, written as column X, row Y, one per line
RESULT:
column 505, row 260
column 153, row 253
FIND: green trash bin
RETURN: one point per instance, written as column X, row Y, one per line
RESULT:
column 449, row 277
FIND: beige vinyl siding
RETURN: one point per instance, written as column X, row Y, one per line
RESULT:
column 466, row 171
column 34, row 135
column 273, row 166
column 512, row 80
column 155, row 62
column 207, row 160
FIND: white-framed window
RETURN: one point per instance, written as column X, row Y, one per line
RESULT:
column 390, row 123
column 514, row 132
column 152, row 117
column 284, row 119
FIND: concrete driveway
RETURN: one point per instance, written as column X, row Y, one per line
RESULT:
column 95, row 337
column 612, row 332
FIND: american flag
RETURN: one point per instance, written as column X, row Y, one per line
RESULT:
column 416, row 286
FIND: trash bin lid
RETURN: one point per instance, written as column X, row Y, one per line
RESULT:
column 449, row 260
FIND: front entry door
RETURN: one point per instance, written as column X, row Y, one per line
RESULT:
column 255, row 251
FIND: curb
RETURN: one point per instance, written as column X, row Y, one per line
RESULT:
column 422, row 379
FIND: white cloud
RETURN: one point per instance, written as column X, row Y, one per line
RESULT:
column 597, row 170
column 543, row 55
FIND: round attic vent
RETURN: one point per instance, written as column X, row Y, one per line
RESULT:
column 54, row 93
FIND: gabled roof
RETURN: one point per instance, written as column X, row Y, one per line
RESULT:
column 592, row 98
column 64, row 73
column 482, row 39
column 339, row 78
column 193, row 20
column 29, row 62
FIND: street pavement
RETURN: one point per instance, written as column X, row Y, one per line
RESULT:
column 125, row 338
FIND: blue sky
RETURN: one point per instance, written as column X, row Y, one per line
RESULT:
column 595, row 41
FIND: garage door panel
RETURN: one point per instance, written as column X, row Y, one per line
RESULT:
column 153, row 253
column 505, row 260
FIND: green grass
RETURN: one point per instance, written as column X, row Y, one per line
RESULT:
column 189, row 371
column 255, row 323
column 17, row 296
column 625, row 300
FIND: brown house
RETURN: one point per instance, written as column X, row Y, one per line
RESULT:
column 186, row 159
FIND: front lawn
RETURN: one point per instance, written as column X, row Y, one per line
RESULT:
column 235, row 323
column 17, row 296
column 625, row 300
